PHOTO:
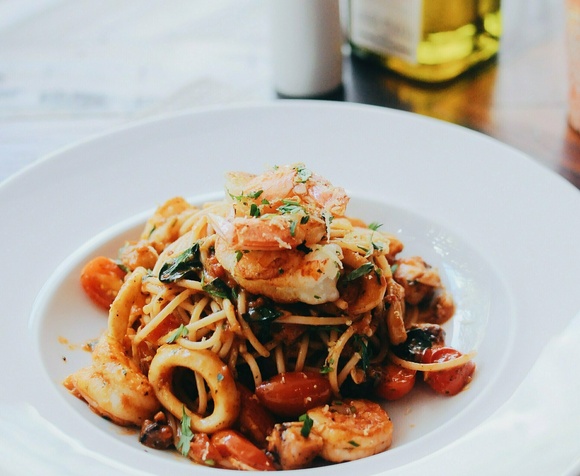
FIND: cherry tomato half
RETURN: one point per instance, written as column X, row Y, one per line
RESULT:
column 101, row 279
column 240, row 452
column 203, row 451
column 255, row 421
column 395, row 382
column 451, row 381
column 291, row 394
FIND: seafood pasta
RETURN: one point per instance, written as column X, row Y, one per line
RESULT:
column 267, row 330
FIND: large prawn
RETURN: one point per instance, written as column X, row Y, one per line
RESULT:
column 113, row 385
column 272, row 241
column 342, row 431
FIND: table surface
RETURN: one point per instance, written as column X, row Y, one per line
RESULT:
column 70, row 69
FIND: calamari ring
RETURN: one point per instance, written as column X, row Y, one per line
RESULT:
column 222, row 387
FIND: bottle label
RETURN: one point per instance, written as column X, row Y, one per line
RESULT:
column 388, row 27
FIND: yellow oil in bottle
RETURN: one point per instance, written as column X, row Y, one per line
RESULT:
column 426, row 40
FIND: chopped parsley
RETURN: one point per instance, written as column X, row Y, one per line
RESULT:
column 181, row 331
column 302, row 174
column 359, row 272
column 307, row 423
column 186, row 434
column 290, row 207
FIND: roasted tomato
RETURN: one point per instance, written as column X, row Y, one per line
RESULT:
column 291, row 394
column 254, row 420
column 101, row 279
column 240, row 452
column 450, row 381
column 394, row 382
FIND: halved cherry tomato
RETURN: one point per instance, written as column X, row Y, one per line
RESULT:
column 202, row 450
column 447, row 382
column 101, row 279
column 291, row 394
column 394, row 382
column 240, row 452
column 254, row 420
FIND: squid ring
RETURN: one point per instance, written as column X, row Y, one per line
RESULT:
column 217, row 376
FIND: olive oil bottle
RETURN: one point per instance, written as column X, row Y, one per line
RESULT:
column 426, row 40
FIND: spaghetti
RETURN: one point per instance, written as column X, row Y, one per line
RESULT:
column 271, row 284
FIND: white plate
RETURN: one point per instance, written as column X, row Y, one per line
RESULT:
column 502, row 230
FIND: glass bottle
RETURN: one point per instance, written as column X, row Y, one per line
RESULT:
column 426, row 40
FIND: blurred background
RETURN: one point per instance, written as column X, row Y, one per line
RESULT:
column 70, row 69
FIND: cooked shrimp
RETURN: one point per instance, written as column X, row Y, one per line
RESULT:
column 418, row 279
column 285, row 275
column 279, row 209
column 113, row 385
column 294, row 450
column 351, row 429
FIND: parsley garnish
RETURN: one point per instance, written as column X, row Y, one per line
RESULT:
column 307, row 424
column 181, row 331
column 186, row 433
column 326, row 369
column 375, row 226
column 363, row 349
column 252, row 195
column 291, row 207
column 254, row 210
column 302, row 174
column 360, row 271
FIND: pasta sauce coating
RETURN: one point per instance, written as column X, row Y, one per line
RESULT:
column 271, row 295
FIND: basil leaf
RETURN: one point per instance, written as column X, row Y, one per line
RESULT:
column 183, row 266
column 218, row 288
column 262, row 314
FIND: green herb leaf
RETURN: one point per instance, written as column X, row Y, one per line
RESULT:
column 293, row 227
column 353, row 443
column 186, row 433
column 217, row 288
column 307, row 424
column 361, row 345
column 263, row 313
column 375, row 226
column 183, row 266
column 254, row 210
column 252, row 195
column 291, row 207
column 326, row 369
column 181, row 331
column 360, row 271
column 302, row 174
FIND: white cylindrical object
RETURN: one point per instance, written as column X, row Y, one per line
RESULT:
column 306, row 47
